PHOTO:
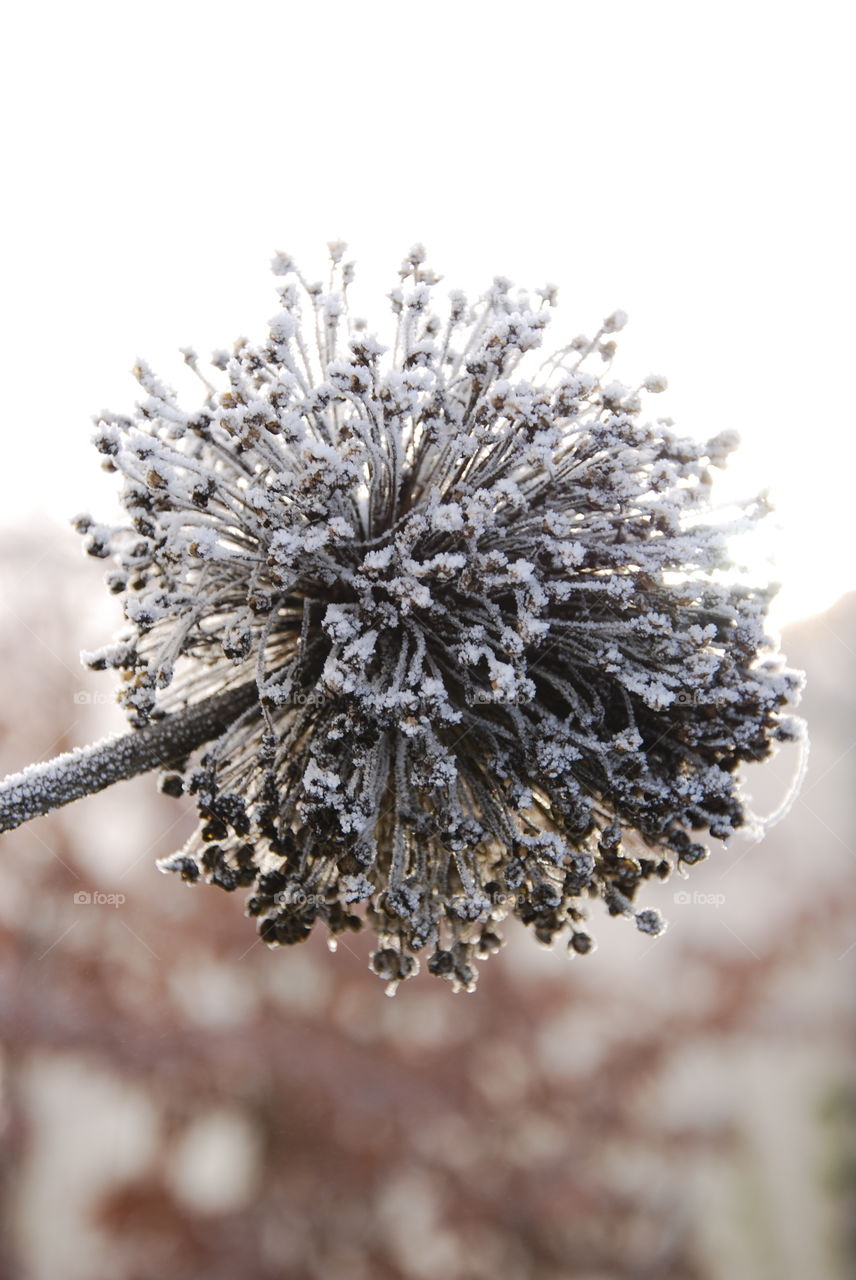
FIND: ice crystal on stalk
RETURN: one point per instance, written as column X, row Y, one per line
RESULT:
column 495, row 668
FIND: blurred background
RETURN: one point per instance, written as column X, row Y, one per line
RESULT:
column 177, row 1101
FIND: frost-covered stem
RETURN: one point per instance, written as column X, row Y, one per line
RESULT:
column 44, row 787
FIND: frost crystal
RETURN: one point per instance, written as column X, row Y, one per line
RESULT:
column 494, row 667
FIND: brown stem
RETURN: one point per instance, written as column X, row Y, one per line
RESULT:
column 44, row 787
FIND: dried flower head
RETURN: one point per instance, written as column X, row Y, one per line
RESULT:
column 490, row 664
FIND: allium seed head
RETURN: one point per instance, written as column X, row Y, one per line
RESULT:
column 493, row 668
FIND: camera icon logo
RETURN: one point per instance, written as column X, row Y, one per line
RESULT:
column 82, row 898
column 682, row 898
column 81, row 698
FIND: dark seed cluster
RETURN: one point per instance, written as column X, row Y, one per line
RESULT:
column 496, row 667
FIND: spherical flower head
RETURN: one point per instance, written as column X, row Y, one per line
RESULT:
column 494, row 667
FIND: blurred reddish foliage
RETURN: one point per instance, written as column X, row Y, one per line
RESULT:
column 517, row 1134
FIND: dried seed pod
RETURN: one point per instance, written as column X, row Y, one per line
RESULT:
column 497, row 668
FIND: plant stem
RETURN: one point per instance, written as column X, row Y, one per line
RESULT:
column 44, row 787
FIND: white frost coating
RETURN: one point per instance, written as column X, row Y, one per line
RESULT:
column 40, row 788
column 447, row 517
column 480, row 598
column 615, row 322
column 339, row 624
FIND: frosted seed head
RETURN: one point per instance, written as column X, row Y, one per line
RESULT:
column 499, row 666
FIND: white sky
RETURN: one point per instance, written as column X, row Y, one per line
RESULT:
column 692, row 164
